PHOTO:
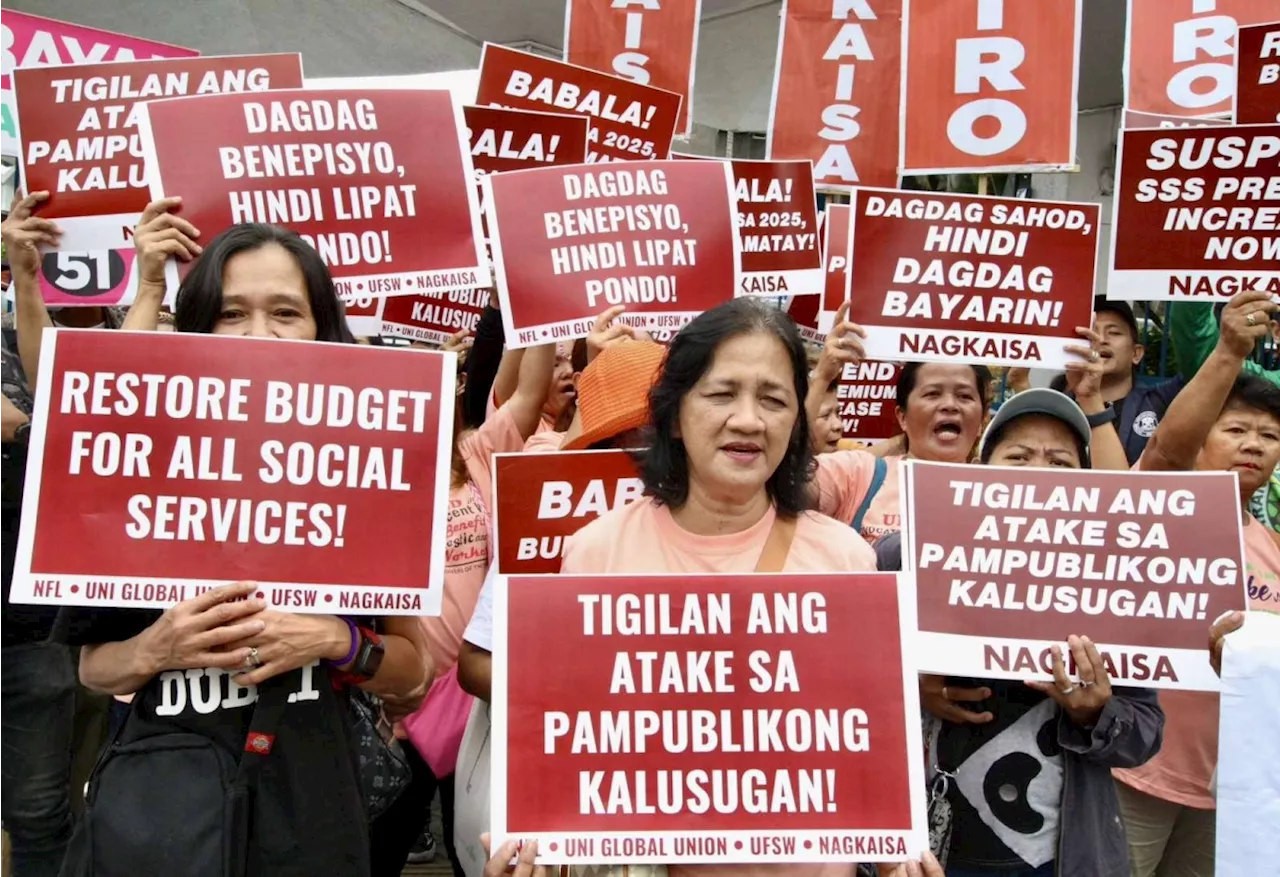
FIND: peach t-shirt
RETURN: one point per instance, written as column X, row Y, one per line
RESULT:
column 1182, row 770
column 467, row 535
column 644, row 538
column 843, row 480
column 544, row 440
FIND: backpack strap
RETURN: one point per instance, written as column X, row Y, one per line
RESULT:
column 259, row 742
column 877, row 481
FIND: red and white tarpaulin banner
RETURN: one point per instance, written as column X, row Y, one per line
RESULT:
column 989, row 85
column 1179, row 54
column 35, row 41
column 1009, row 562
column 542, row 499
column 837, row 248
column 569, row 243
column 1191, row 219
column 867, row 398
column 969, row 278
column 778, row 224
column 646, row 41
column 629, row 121
column 432, row 317
column 391, row 212
column 1257, row 95
column 164, row 464
column 82, row 143
column 707, row 719
column 836, row 88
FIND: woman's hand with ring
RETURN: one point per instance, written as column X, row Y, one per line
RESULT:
column 1084, row 702
column 288, row 641
column 205, row 631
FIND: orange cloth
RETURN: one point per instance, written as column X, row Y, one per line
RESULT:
column 843, row 480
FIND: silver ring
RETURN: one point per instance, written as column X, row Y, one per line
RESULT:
column 1067, row 690
column 1086, row 684
column 1093, row 356
column 1251, row 319
column 944, row 693
column 251, row 660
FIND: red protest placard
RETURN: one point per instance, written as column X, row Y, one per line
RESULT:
column 164, row 464
column 1006, row 96
column 645, row 41
column 513, row 140
column 35, row 41
column 629, row 121
column 867, row 395
column 778, row 223
column 803, row 310
column 390, row 211
column 1191, row 218
column 1151, row 120
column 432, row 317
column 836, row 90
column 569, row 243
column 1010, row 561
column 81, row 144
column 540, row 499
column 674, row 719
column 1178, row 53
column 837, row 248
column 967, row 278
column 1257, row 95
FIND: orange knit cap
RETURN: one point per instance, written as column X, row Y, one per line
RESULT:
column 613, row 391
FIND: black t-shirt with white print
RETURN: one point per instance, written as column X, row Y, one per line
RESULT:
column 308, row 817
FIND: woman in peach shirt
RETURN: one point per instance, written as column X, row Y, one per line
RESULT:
column 729, row 461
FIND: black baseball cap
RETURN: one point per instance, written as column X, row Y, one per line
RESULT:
column 1103, row 305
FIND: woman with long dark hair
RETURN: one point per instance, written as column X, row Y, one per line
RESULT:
column 203, row 669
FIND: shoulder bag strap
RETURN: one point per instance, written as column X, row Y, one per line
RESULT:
column 877, row 480
column 777, row 545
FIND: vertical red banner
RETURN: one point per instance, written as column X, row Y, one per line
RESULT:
column 837, row 248
column 1180, row 54
column 645, row 41
column 989, row 85
column 836, row 90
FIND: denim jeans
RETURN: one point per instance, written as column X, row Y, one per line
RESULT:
column 37, row 707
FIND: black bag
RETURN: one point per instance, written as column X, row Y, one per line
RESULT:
column 384, row 770
column 173, row 804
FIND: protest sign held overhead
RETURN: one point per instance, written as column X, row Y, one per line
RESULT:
column 542, row 499
column 803, row 310
column 1193, row 218
column 1179, row 54
column 1257, row 96
column 836, row 249
column 1011, row 561
column 836, row 89
column 82, row 144
column 646, row 41
column 778, row 224
column 967, row 278
column 707, row 719
column 569, row 243
column 164, row 464
column 629, row 121
column 391, row 212
column 989, row 85
column 432, row 317
column 867, row 399
column 35, row 41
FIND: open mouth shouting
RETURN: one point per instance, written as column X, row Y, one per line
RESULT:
column 947, row 431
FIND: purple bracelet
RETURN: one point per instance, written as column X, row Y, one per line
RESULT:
column 355, row 644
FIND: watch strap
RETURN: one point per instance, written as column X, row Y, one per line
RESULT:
column 1102, row 418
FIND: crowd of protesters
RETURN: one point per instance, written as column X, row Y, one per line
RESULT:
column 744, row 471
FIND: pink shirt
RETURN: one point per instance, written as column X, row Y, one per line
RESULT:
column 544, row 440
column 467, row 551
column 843, row 479
column 1182, row 770
column 644, row 538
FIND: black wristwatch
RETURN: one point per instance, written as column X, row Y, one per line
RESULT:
column 368, row 656
column 1102, row 418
